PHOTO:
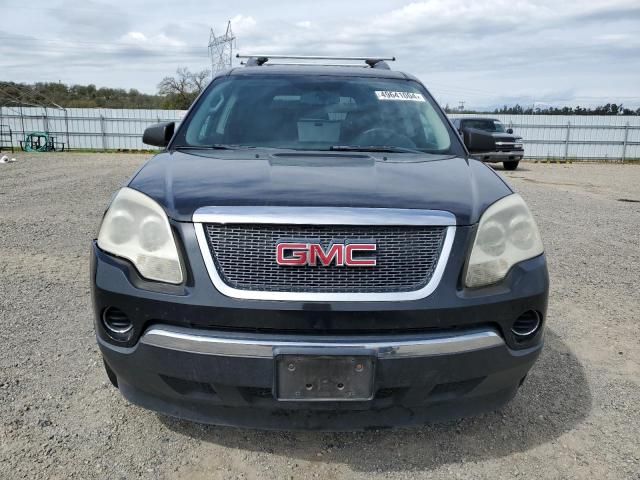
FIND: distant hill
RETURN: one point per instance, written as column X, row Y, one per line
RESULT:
column 606, row 109
column 87, row 96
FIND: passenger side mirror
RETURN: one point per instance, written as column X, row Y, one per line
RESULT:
column 159, row 134
column 510, row 130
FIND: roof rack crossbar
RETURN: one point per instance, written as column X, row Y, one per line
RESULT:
column 315, row 57
column 299, row 64
column 373, row 62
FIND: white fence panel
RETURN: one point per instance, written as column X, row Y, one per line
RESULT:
column 587, row 137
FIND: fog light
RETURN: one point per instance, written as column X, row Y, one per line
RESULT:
column 117, row 323
column 527, row 324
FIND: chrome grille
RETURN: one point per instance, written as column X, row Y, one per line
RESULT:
column 507, row 147
column 244, row 256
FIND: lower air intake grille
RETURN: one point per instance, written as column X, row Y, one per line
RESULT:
column 245, row 257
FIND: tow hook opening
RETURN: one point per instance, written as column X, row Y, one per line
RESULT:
column 526, row 325
column 117, row 324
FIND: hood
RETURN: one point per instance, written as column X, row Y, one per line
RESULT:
column 182, row 182
column 505, row 137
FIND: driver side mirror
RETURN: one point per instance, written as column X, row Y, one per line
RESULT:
column 478, row 140
column 159, row 134
column 509, row 130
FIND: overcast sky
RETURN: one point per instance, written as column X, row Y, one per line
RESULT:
column 483, row 52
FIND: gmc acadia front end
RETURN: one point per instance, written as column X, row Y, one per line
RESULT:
column 314, row 249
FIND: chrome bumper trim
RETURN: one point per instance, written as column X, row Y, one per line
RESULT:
column 266, row 346
column 323, row 216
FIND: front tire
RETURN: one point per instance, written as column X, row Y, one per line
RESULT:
column 510, row 165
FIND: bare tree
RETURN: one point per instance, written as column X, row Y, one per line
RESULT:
column 182, row 89
column 200, row 80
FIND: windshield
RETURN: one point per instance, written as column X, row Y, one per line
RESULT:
column 486, row 125
column 317, row 113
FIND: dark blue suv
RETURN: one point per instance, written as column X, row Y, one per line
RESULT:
column 315, row 249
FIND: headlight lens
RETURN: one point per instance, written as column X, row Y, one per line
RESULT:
column 507, row 234
column 136, row 228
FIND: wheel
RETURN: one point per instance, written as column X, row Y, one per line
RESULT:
column 111, row 374
column 510, row 165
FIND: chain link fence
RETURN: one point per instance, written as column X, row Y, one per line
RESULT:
column 556, row 137
column 86, row 128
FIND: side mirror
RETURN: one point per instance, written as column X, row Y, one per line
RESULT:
column 478, row 140
column 159, row 134
column 509, row 130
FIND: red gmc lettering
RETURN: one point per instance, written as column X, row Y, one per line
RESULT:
column 360, row 262
column 313, row 254
column 292, row 253
column 316, row 253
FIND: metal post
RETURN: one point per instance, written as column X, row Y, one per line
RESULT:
column 624, row 143
column 66, row 125
column 45, row 121
column 566, row 142
column 22, row 123
column 103, row 132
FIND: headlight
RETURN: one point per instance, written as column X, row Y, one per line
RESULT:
column 136, row 228
column 507, row 234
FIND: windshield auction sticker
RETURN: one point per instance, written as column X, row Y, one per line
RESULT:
column 399, row 96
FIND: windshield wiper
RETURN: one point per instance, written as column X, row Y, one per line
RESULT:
column 215, row 146
column 373, row 148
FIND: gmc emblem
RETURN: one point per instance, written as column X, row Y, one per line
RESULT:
column 299, row 254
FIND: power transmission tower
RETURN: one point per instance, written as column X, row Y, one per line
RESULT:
column 221, row 50
column 461, row 106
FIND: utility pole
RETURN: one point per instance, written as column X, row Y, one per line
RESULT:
column 221, row 50
column 461, row 106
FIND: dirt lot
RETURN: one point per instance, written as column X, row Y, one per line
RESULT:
column 578, row 415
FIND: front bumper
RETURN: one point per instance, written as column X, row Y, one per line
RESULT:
column 177, row 361
column 228, row 378
column 512, row 155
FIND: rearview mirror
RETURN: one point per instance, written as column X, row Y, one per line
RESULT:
column 509, row 130
column 159, row 134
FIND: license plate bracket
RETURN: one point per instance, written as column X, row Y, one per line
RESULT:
column 324, row 377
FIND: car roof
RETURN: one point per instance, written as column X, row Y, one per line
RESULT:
column 319, row 70
column 478, row 118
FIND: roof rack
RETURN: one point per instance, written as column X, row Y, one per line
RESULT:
column 300, row 64
column 372, row 62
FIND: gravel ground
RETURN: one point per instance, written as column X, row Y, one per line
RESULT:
column 577, row 416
